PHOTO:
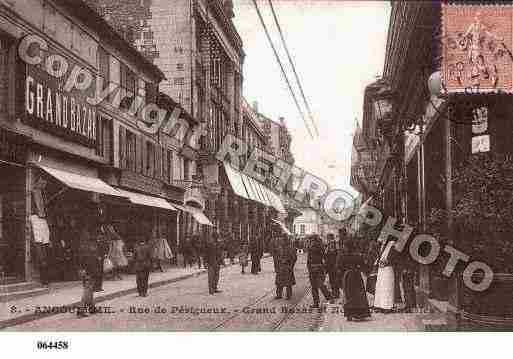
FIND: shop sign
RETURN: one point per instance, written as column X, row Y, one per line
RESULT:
column 48, row 105
column 13, row 148
column 477, row 43
column 132, row 180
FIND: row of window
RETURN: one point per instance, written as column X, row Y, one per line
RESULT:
column 151, row 159
column 113, row 71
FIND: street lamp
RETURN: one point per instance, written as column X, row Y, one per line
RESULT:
column 382, row 103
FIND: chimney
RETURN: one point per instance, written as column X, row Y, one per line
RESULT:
column 282, row 120
column 255, row 106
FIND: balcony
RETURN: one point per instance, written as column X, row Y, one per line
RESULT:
column 193, row 191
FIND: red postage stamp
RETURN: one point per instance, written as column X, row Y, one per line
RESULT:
column 477, row 42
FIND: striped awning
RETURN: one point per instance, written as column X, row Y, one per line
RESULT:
column 249, row 188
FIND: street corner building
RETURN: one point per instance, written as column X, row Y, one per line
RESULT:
column 65, row 156
column 434, row 125
column 73, row 143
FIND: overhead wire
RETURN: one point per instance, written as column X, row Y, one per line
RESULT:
column 262, row 22
column 291, row 62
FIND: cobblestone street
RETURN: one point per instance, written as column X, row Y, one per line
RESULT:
column 246, row 304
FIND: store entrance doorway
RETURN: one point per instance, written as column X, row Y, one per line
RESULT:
column 12, row 219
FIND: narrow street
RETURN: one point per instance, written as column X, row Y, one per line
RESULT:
column 246, row 304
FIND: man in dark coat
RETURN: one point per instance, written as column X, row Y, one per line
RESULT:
column 87, row 259
column 316, row 270
column 255, row 255
column 213, row 258
column 331, row 266
column 260, row 251
column 142, row 265
column 285, row 260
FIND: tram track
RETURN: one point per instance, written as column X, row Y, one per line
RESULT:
column 268, row 298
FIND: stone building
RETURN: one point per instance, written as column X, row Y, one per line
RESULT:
column 69, row 154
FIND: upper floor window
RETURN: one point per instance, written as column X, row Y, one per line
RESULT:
column 104, row 66
column 170, row 164
column 128, row 87
column 186, row 169
column 130, row 150
column 150, row 159
column 104, row 137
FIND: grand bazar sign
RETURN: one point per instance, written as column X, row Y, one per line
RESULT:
column 53, row 106
column 477, row 43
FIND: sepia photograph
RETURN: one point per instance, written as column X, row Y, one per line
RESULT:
column 290, row 166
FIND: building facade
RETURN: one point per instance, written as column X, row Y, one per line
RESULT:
column 424, row 139
column 69, row 153
column 196, row 45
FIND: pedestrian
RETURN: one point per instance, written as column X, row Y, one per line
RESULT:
column 371, row 266
column 243, row 256
column 230, row 248
column 286, row 259
column 255, row 256
column 143, row 260
column 355, row 297
column 384, row 298
column 260, row 252
column 408, row 274
column 116, row 252
column 185, row 250
column 213, row 257
column 198, row 249
column 87, row 258
column 316, row 270
column 331, row 266
column 103, row 250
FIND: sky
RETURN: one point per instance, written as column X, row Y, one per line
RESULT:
column 338, row 48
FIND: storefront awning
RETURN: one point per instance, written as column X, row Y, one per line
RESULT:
column 249, row 188
column 145, row 200
column 283, row 227
column 276, row 202
column 198, row 215
column 236, row 181
column 80, row 182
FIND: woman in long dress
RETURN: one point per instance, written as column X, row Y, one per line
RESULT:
column 385, row 283
column 355, row 297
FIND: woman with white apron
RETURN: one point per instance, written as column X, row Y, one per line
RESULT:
column 385, row 283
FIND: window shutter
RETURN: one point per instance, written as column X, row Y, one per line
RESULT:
column 122, row 147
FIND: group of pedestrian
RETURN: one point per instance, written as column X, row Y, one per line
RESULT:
column 343, row 267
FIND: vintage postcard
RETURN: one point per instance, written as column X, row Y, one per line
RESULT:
column 255, row 166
